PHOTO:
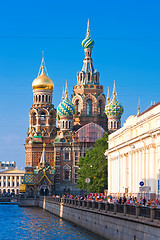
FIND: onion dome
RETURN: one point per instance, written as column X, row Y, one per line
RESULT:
column 42, row 82
column 114, row 108
column 88, row 41
column 66, row 107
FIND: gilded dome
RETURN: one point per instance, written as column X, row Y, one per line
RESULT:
column 65, row 108
column 114, row 108
column 42, row 82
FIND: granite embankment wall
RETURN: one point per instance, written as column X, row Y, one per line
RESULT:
column 116, row 222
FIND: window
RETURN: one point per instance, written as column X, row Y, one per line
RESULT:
column 69, row 124
column 77, row 107
column 89, row 107
column 81, row 77
column 66, row 156
column 42, row 98
column 111, row 125
column 66, row 174
column 43, row 118
column 114, row 125
column 46, row 98
column 100, row 107
column 89, row 76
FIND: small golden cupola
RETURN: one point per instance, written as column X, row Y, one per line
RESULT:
column 42, row 82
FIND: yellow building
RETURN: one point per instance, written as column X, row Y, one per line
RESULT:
column 10, row 179
column 134, row 155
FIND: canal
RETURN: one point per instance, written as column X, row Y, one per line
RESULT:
column 35, row 223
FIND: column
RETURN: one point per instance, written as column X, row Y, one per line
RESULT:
column 109, row 174
column 133, row 176
column 20, row 180
column 15, row 181
column 6, row 181
column 140, row 165
column 2, row 182
column 130, row 171
column 152, row 169
column 147, row 167
column 10, row 181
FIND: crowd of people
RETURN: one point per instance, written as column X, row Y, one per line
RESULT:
column 121, row 200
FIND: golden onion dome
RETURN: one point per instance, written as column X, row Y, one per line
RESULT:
column 42, row 82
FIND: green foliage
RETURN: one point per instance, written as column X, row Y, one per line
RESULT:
column 94, row 166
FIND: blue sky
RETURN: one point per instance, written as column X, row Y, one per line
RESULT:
column 127, row 49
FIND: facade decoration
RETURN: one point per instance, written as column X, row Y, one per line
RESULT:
column 80, row 122
column 114, row 111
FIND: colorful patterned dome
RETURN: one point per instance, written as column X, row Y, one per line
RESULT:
column 88, row 42
column 65, row 108
column 114, row 108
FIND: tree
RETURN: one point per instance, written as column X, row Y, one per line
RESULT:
column 94, row 166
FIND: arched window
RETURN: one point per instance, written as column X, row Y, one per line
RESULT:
column 66, row 124
column 46, row 98
column 114, row 125
column 89, row 107
column 63, row 124
column 100, row 107
column 78, row 107
column 42, row 98
column 69, row 124
column 33, row 116
column 43, row 118
column 36, row 98
column 111, row 125
column 39, row 98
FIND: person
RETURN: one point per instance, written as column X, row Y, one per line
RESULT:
column 144, row 201
column 157, row 202
column 124, row 199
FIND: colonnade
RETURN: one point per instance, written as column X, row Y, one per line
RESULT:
column 131, row 167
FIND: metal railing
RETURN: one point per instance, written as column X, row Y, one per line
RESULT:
column 105, row 207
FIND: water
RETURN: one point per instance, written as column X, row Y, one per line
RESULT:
column 34, row 223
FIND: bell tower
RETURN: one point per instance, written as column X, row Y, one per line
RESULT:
column 88, row 97
column 42, row 120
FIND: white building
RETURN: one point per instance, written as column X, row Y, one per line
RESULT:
column 10, row 179
column 134, row 155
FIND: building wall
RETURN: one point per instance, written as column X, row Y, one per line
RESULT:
column 9, row 182
column 134, row 154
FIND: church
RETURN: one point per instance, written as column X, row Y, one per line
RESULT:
column 74, row 126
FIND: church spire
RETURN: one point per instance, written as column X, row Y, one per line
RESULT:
column 66, row 90
column 138, row 106
column 63, row 94
column 114, row 90
column 42, row 66
column 108, row 98
column 87, row 35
